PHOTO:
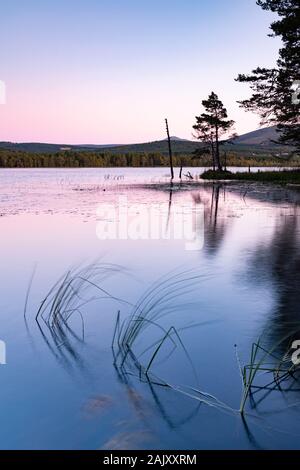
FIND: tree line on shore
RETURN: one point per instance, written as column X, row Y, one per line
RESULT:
column 74, row 159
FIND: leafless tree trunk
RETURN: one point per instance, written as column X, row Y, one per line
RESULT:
column 170, row 150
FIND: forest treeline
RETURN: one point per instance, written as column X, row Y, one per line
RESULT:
column 17, row 159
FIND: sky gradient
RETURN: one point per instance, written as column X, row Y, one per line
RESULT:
column 110, row 71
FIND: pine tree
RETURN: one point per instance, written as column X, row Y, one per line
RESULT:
column 276, row 91
column 212, row 125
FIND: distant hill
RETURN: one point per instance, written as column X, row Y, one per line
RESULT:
column 39, row 147
column 159, row 146
column 263, row 137
column 179, row 146
column 259, row 140
column 177, row 139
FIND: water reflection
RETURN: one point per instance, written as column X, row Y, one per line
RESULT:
column 215, row 225
column 274, row 261
column 277, row 262
column 251, row 249
column 164, row 407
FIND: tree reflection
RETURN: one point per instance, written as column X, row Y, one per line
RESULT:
column 278, row 263
column 215, row 224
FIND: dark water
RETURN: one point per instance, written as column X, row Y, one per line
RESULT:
column 60, row 388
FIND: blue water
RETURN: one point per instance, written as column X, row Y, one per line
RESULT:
column 60, row 388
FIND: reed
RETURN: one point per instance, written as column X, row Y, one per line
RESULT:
column 265, row 361
column 159, row 301
column 69, row 296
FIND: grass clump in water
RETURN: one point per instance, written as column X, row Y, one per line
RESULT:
column 278, row 176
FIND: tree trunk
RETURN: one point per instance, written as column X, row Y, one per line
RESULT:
column 180, row 172
column 170, row 151
column 218, row 161
column 213, row 156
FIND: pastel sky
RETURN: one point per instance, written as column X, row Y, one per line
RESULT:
column 110, row 71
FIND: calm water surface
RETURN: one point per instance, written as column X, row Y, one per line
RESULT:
column 60, row 388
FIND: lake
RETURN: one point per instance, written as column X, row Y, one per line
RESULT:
column 129, row 309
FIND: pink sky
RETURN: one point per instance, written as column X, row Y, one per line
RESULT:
column 103, row 74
